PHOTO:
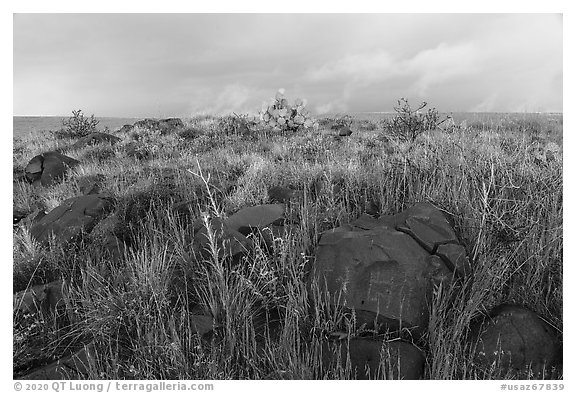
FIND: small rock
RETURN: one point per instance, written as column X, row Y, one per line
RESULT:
column 345, row 131
column 280, row 194
column 91, row 184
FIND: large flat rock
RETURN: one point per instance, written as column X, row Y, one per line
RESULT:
column 72, row 218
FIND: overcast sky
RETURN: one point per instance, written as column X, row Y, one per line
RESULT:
column 137, row 65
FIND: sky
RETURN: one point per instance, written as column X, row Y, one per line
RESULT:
column 159, row 65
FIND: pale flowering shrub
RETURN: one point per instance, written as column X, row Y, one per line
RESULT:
column 280, row 115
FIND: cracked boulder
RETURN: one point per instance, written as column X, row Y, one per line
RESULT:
column 95, row 138
column 385, row 269
column 48, row 168
column 74, row 217
column 430, row 228
column 374, row 359
column 515, row 340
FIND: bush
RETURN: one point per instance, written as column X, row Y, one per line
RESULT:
column 408, row 124
column 282, row 116
column 235, row 125
column 77, row 126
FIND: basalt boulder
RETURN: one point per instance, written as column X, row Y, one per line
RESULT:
column 384, row 270
column 344, row 131
column 374, row 359
column 48, row 168
column 22, row 218
column 234, row 235
column 431, row 229
column 280, row 194
column 75, row 216
column 18, row 215
column 515, row 340
column 45, row 299
column 215, row 231
column 75, row 366
column 91, row 184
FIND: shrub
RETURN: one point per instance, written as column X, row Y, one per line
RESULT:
column 235, row 125
column 282, row 116
column 409, row 123
column 341, row 122
column 77, row 126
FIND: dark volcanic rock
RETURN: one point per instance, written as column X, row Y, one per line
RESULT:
column 234, row 233
column 374, row 359
column 345, row 131
column 256, row 217
column 230, row 242
column 381, row 273
column 430, row 228
column 48, row 168
column 75, row 366
column 33, row 217
column 515, row 339
column 72, row 218
column 95, row 138
column 90, row 185
column 284, row 194
column 386, row 268
column 18, row 215
column 45, row 299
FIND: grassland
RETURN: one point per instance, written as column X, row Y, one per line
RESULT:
column 498, row 178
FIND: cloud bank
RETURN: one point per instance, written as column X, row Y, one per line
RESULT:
column 181, row 64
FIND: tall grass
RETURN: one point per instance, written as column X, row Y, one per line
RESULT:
column 269, row 321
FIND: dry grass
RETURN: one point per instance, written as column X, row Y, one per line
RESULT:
column 498, row 179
